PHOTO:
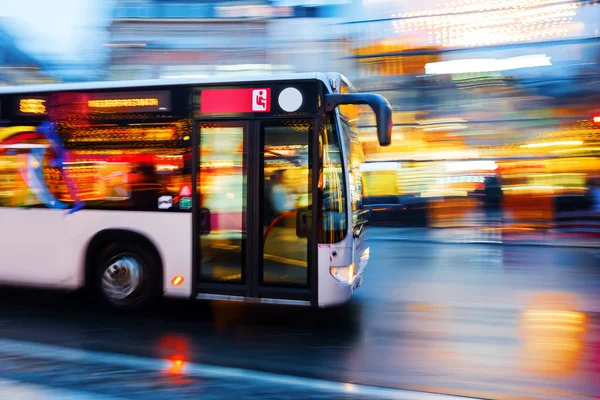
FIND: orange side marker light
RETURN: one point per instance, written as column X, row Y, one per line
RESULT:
column 178, row 280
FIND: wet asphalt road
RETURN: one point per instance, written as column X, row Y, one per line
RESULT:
column 486, row 321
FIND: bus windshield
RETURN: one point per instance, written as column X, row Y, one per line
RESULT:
column 355, row 157
column 335, row 221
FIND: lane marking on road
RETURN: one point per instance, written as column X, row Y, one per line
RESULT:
column 58, row 353
column 10, row 389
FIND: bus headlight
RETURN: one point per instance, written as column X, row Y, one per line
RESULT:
column 343, row 274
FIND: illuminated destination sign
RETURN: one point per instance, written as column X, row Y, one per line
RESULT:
column 32, row 105
column 120, row 103
column 129, row 102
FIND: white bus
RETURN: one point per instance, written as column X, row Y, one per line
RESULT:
column 239, row 189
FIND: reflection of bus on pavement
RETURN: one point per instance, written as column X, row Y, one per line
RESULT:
column 235, row 190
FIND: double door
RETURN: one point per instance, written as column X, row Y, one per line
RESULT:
column 254, row 185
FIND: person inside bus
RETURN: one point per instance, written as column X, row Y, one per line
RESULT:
column 278, row 198
column 146, row 187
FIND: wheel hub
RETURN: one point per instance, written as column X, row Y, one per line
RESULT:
column 122, row 277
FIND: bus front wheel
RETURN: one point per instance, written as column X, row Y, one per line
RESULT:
column 127, row 276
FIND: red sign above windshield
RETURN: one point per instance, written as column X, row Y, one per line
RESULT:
column 226, row 101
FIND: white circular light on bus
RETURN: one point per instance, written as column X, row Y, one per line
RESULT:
column 290, row 99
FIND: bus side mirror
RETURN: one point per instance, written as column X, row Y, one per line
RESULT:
column 381, row 107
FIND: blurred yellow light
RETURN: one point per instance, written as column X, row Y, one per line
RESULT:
column 32, row 106
column 531, row 187
column 549, row 144
column 166, row 167
column 564, row 315
column 13, row 130
column 474, row 165
column 553, row 340
column 577, row 149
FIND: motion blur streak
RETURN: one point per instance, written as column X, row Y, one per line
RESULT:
column 200, row 370
column 483, row 214
column 486, row 65
column 18, row 390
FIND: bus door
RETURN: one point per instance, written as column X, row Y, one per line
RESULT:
column 252, row 205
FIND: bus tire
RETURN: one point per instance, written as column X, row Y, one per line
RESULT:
column 127, row 276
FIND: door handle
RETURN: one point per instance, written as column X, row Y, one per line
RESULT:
column 302, row 223
column 204, row 221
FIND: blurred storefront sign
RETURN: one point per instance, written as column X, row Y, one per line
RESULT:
column 388, row 59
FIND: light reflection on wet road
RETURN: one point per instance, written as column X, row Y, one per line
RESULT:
column 474, row 320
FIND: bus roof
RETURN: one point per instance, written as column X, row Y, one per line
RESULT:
column 58, row 87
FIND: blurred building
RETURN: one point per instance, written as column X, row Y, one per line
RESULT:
column 483, row 92
column 198, row 38
column 471, row 79
column 488, row 97
column 16, row 66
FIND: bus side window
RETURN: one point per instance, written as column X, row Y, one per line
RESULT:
column 18, row 166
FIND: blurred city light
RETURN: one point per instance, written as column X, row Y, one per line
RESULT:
column 486, row 65
column 480, row 23
column 176, row 367
column 379, row 166
column 471, row 166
